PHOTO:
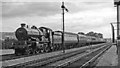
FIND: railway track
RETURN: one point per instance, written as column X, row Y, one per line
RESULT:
column 51, row 61
column 7, row 57
column 79, row 60
column 13, row 56
column 89, row 60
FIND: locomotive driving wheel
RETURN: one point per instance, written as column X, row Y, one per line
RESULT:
column 37, row 51
column 46, row 48
column 28, row 51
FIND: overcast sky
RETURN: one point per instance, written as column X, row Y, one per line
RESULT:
column 83, row 16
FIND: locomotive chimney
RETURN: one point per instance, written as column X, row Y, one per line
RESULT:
column 23, row 25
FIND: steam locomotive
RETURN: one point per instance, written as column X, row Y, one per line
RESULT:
column 38, row 40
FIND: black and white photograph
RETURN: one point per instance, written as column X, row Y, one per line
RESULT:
column 60, row 33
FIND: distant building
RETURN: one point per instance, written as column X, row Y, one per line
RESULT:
column 10, row 35
column 108, row 39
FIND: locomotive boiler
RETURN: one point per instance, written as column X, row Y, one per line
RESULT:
column 24, row 33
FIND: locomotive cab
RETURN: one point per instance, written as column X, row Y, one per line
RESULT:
column 47, row 33
column 47, row 38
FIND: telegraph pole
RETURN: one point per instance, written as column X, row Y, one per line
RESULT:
column 63, row 27
column 63, row 12
column 118, row 22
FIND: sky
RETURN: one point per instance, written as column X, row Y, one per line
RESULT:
column 83, row 16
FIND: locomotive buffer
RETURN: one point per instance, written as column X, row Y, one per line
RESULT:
column 63, row 8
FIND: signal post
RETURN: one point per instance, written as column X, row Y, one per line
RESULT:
column 63, row 13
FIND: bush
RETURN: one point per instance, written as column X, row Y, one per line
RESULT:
column 8, row 43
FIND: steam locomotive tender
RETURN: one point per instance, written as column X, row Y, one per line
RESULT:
column 38, row 40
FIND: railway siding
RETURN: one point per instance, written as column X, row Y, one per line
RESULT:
column 38, row 57
column 86, row 60
column 73, row 59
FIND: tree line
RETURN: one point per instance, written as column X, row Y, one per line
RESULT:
column 94, row 34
